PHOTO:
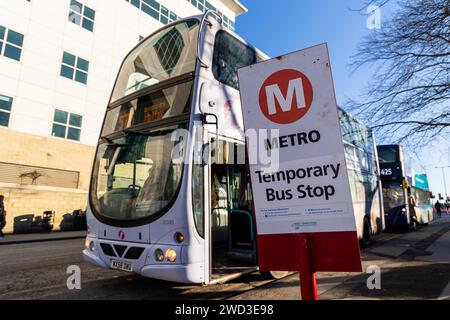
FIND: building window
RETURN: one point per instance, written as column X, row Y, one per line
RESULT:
column 81, row 15
column 67, row 125
column 5, row 110
column 74, row 68
column 155, row 10
column 204, row 6
column 10, row 43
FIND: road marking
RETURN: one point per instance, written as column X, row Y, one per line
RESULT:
column 445, row 295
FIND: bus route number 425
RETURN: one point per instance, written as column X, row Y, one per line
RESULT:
column 121, row 265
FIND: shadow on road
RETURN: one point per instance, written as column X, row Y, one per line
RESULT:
column 424, row 281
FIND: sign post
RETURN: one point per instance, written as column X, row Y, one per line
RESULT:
column 301, row 191
column 307, row 272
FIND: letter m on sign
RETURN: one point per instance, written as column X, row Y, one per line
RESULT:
column 273, row 92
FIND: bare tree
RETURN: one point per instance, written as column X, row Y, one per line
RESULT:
column 408, row 97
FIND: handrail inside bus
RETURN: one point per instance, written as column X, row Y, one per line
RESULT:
column 203, row 64
column 204, row 120
column 219, row 208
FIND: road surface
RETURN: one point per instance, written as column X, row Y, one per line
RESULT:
column 414, row 265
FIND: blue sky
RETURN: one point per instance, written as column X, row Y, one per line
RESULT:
column 279, row 27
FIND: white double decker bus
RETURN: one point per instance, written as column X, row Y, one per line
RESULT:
column 170, row 194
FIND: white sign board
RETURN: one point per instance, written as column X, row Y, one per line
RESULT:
column 307, row 190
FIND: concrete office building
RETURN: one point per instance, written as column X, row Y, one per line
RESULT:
column 58, row 63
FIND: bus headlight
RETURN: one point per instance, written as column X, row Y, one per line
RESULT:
column 171, row 255
column 89, row 245
column 159, row 255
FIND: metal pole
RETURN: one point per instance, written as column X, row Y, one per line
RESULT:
column 443, row 177
column 308, row 284
column 445, row 183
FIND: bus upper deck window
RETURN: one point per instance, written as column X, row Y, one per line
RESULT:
column 166, row 54
column 388, row 155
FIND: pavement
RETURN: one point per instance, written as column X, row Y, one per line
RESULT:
column 414, row 265
column 9, row 239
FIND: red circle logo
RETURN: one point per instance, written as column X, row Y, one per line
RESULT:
column 286, row 96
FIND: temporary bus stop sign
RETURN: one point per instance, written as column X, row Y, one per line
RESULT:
column 301, row 191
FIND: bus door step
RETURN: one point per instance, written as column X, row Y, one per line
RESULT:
column 242, row 255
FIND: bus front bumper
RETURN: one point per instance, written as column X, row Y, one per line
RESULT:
column 91, row 258
column 182, row 273
column 174, row 273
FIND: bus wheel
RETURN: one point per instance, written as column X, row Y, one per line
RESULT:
column 367, row 236
column 274, row 274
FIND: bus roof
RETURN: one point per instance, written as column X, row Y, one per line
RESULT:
column 198, row 17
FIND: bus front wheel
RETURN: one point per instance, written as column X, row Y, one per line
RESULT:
column 274, row 274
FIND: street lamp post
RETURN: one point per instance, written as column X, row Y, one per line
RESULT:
column 445, row 183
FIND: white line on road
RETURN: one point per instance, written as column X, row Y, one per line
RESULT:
column 445, row 295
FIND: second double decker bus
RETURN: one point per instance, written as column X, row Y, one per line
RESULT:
column 407, row 200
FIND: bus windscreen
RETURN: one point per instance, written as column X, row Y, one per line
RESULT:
column 138, row 175
column 387, row 155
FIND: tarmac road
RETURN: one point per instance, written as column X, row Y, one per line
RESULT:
column 38, row 271
column 414, row 265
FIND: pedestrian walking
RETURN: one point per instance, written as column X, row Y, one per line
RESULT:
column 2, row 216
column 412, row 210
column 438, row 207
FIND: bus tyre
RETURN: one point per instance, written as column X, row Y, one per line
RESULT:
column 367, row 235
column 413, row 225
column 274, row 274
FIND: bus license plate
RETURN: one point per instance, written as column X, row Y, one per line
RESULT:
column 121, row 265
